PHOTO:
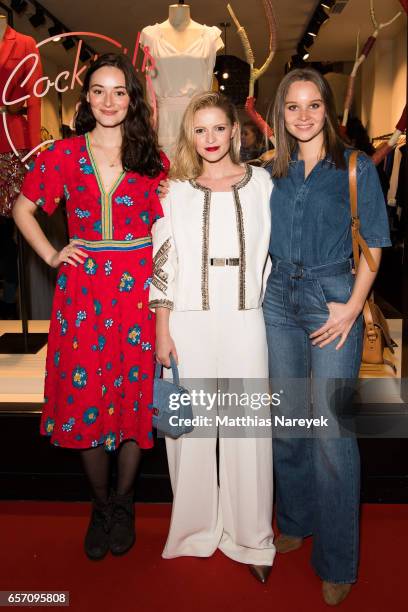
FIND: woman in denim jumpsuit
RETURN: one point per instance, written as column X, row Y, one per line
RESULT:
column 312, row 310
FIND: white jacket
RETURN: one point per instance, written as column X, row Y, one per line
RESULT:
column 181, row 243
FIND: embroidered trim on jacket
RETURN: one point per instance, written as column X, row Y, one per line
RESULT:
column 204, row 263
column 206, row 231
column 161, row 304
column 241, row 241
column 205, row 244
column 159, row 275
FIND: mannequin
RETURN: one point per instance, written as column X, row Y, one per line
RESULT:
column 184, row 54
column 8, row 249
column 3, row 26
column 179, row 29
column 22, row 119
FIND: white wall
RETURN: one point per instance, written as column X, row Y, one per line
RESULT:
column 383, row 84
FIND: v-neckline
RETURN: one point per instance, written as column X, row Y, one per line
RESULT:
column 187, row 49
column 98, row 174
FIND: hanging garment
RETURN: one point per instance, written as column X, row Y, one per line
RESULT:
column 12, row 172
column 21, row 120
column 392, row 193
column 24, row 130
column 179, row 75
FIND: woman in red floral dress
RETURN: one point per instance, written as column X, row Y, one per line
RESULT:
column 99, row 372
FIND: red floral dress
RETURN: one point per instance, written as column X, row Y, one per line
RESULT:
column 99, row 372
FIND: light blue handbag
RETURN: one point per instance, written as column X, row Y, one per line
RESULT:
column 170, row 399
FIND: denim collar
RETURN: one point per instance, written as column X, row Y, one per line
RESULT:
column 295, row 160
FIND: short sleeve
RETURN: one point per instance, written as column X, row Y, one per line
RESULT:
column 165, row 262
column 43, row 183
column 216, row 38
column 156, row 211
column 143, row 40
column 374, row 226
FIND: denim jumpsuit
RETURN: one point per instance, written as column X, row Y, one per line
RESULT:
column 318, row 476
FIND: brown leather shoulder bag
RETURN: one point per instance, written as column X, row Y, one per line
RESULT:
column 376, row 331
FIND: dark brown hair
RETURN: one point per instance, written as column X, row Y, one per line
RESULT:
column 286, row 144
column 140, row 152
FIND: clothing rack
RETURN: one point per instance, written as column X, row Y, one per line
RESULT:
column 386, row 136
column 383, row 137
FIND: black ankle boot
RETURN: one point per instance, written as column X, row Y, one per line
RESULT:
column 122, row 534
column 97, row 536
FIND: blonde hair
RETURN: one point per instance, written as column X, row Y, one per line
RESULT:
column 187, row 163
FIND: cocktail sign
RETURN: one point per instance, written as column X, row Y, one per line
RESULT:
column 67, row 79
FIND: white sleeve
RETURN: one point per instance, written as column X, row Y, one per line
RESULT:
column 266, row 272
column 216, row 37
column 268, row 263
column 143, row 40
column 164, row 260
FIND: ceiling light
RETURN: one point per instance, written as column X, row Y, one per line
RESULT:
column 19, row 5
column 84, row 55
column 307, row 41
column 327, row 4
column 304, row 54
column 222, row 87
column 320, row 15
column 54, row 31
column 38, row 19
column 225, row 75
column 68, row 43
column 297, row 61
column 313, row 28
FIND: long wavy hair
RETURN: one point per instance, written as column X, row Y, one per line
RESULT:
column 140, row 151
column 187, row 162
column 286, row 144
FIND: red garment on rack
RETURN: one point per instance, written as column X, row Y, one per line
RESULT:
column 24, row 130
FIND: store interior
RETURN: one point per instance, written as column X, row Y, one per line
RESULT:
column 322, row 34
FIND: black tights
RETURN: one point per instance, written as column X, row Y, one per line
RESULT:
column 96, row 466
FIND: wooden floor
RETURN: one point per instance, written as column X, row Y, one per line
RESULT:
column 22, row 376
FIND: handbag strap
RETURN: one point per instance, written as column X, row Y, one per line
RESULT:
column 174, row 369
column 357, row 240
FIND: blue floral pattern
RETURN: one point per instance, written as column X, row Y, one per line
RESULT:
column 100, row 358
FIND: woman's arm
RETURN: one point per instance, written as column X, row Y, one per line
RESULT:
column 24, row 217
column 164, row 342
column 343, row 316
column 162, row 286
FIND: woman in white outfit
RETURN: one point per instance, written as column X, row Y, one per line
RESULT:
column 210, row 258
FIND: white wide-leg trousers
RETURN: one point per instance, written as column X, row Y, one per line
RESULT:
column 234, row 511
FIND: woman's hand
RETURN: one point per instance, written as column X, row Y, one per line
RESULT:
column 164, row 346
column 70, row 254
column 163, row 188
column 339, row 323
